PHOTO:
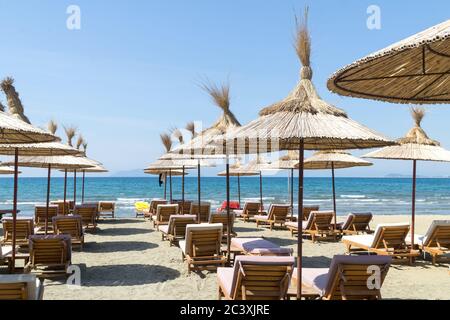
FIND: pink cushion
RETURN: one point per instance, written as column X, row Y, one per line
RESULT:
column 261, row 217
column 225, row 277
column 164, row 229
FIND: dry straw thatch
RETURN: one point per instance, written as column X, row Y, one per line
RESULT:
column 6, row 170
column 39, row 149
column 52, row 127
column 414, row 70
column 98, row 168
column 190, row 126
column 416, row 145
column 80, row 141
column 201, row 145
column 287, row 161
column 237, row 169
column 337, row 159
column 56, row 162
column 15, row 131
column 14, row 104
column 302, row 116
column 71, row 131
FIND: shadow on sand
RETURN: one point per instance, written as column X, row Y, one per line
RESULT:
column 118, row 246
column 125, row 275
column 123, row 231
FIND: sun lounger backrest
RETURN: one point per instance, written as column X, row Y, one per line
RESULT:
column 223, row 219
column 177, row 224
column 205, row 210
column 40, row 214
column 279, row 212
column 261, row 277
column 348, row 277
column 307, row 211
column 24, row 229
column 88, row 213
column 391, row 235
column 155, row 203
column 438, row 234
column 251, row 208
column 61, row 209
column 319, row 219
column 71, row 225
column 203, row 239
column 18, row 287
column 357, row 221
column 48, row 250
column 106, row 206
column 164, row 211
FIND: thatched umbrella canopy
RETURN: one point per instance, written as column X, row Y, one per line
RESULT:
column 416, row 145
column 301, row 121
column 331, row 160
column 414, row 70
column 53, row 162
column 14, row 103
column 6, row 170
column 16, row 131
column 238, row 170
column 201, row 145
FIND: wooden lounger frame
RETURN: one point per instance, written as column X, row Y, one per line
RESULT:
column 205, row 211
column 179, row 231
column 88, row 216
column 23, row 231
column 250, row 210
column 277, row 214
column 260, row 282
column 72, row 228
column 439, row 246
column 206, row 250
column 18, row 291
column 164, row 215
column 48, row 258
column 391, row 242
column 40, row 213
column 359, row 224
column 322, row 227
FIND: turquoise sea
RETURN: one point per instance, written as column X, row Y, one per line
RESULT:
column 377, row 195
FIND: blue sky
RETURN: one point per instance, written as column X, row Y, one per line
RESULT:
column 132, row 71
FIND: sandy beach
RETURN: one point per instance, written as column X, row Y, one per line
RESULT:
column 126, row 259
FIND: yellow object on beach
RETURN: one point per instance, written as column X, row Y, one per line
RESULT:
column 141, row 205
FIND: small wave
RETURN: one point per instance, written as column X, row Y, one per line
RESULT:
column 353, row 196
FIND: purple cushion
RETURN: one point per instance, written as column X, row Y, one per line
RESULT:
column 249, row 244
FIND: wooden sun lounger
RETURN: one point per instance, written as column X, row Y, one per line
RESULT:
column 205, row 211
column 50, row 256
column 250, row 210
column 258, row 247
column 256, row 278
column 278, row 213
column 24, row 229
column 176, row 229
column 388, row 239
column 307, row 211
column 223, row 219
column 88, row 214
column 61, row 209
column 106, row 208
column 319, row 224
column 436, row 241
column 72, row 226
column 163, row 213
column 183, row 208
column 21, row 287
column 202, row 248
column 356, row 223
column 40, row 214
column 348, row 278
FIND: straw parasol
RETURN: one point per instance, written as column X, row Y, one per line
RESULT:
column 416, row 145
column 200, row 146
column 414, row 70
column 333, row 159
column 301, row 121
column 6, row 170
column 238, row 170
column 53, row 162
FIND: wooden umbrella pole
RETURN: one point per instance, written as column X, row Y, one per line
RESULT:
column 413, row 208
column 165, row 186
column 48, row 197
column 170, row 180
column 299, row 220
column 182, row 190
column 260, row 191
column 198, row 189
column 14, row 213
column 239, row 189
column 292, row 192
column 82, row 187
column 65, row 191
column 334, row 194
column 74, row 188
column 228, row 211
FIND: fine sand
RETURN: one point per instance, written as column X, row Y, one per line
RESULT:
column 126, row 259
